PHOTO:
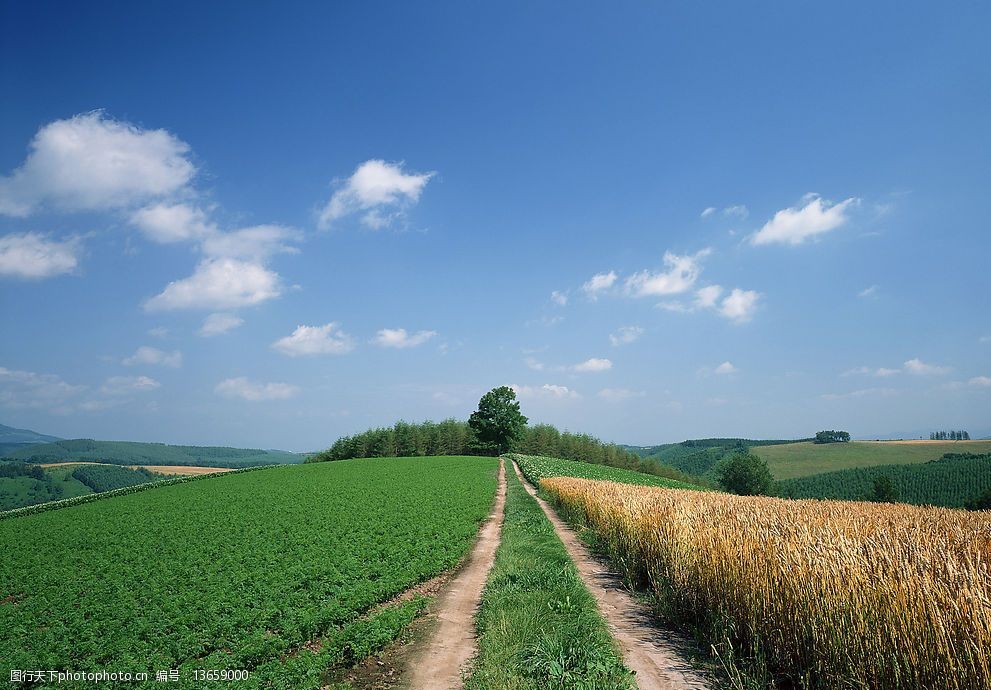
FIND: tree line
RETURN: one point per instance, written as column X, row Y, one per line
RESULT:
column 949, row 436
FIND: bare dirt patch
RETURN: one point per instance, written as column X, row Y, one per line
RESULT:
column 181, row 469
column 655, row 655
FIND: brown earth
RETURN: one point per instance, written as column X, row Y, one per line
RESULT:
column 451, row 643
column 656, row 656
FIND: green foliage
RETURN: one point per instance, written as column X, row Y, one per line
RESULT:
column 536, row 468
column 128, row 453
column 745, row 474
column 884, row 490
column 101, row 478
column 497, row 423
column 237, row 570
column 538, row 626
column 982, row 502
column 951, row 482
column 832, row 437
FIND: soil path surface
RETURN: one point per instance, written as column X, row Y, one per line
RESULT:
column 452, row 642
column 652, row 653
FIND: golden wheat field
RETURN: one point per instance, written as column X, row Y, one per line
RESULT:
column 828, row 593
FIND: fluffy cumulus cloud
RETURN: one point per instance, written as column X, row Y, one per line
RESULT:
column 798, row 224
column 625, row 335
column 92, row 162
column 399, row 338
column 739, row 305
column 315, row 340
column 380, row 191
column 593, row 365
column 245, row 389
column 599, row 283
column 27, row 389
column 680, row 275
column 168, row 223
column 725, row 368
column 919, row 368
column 34, row 256
column 219, row 284
column 152, row 355
column 219, row 323
column 548, row 391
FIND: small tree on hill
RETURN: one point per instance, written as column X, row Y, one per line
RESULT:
column 498, row 422
column 832, row 437
column 884, row 491
column 746, row 474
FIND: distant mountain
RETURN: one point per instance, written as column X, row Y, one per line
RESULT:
column 130, row 453
column 12, row 438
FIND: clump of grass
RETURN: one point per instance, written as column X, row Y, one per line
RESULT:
column 816, row 594
column 538, row 625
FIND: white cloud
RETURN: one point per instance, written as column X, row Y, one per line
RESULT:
column 534, row 364
column 625, row 335
column 681, row 274
column 984, row 339
column 725, row 368
column 980, row 381
column 26, row 389
column 158, row 332
column 797, row 224
column 739, row 306
column 152, row 355
column 219, row 284
column 548, row 391
column 919, row 368
column 867, row 371
column 599, row 283
column 862, row 393
column 124, row 385
column 706, row 298
column 708, row 211
column 256, row 243
column 593, row 365
column 868, row 292
column 219, row 323
column 616, row 395
column 315, row 340
column 170, row 223
column 32, row 255
column 381, row 190
column 738, row 211
column 92, row 162
column 884, row 371
column 559, row 298
column 240, row 387
column 399, row 338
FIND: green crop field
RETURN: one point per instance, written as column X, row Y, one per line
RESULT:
column 790, row 460
column 275, row 571
column 950, row 482
column 536, row 467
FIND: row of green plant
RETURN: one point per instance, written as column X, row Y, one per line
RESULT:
column 251, row 570
column 538, row 626
column 536, row 467
column 100, row 478
column 957, row 480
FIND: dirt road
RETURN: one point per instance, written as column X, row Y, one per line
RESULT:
column 651, row 653
column 452, row 642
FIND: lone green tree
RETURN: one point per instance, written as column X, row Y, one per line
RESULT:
column 746, row 474
column 885, row 490
column 497, row 422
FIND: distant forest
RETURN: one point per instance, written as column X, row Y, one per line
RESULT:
column 949, row 436
column 454, row 437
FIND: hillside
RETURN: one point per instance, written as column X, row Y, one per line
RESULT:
column 12, row 438
column 950, row 482
column 790, row 460
column 131, row 453
column 699, row 457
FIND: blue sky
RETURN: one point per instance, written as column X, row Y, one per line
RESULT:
column 271, row 224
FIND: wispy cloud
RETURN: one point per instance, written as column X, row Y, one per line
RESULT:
column 725, row 368
column 308, row 341
column 243, row 388
column 548, row 391
column 559, row 298
column 219, row 323
column 154, row 356
column 219, row 284
column 593, row 365
column 625, row 335
column 919, row 368
column 399, row 338
column 868, row 292
column 599, row 283
column 618, row 395
column 861, row 393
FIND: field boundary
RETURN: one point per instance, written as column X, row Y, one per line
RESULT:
column 652, row 654
column 89, row 498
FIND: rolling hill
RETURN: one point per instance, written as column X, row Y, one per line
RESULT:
column 12, row 438
column 131, row 453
